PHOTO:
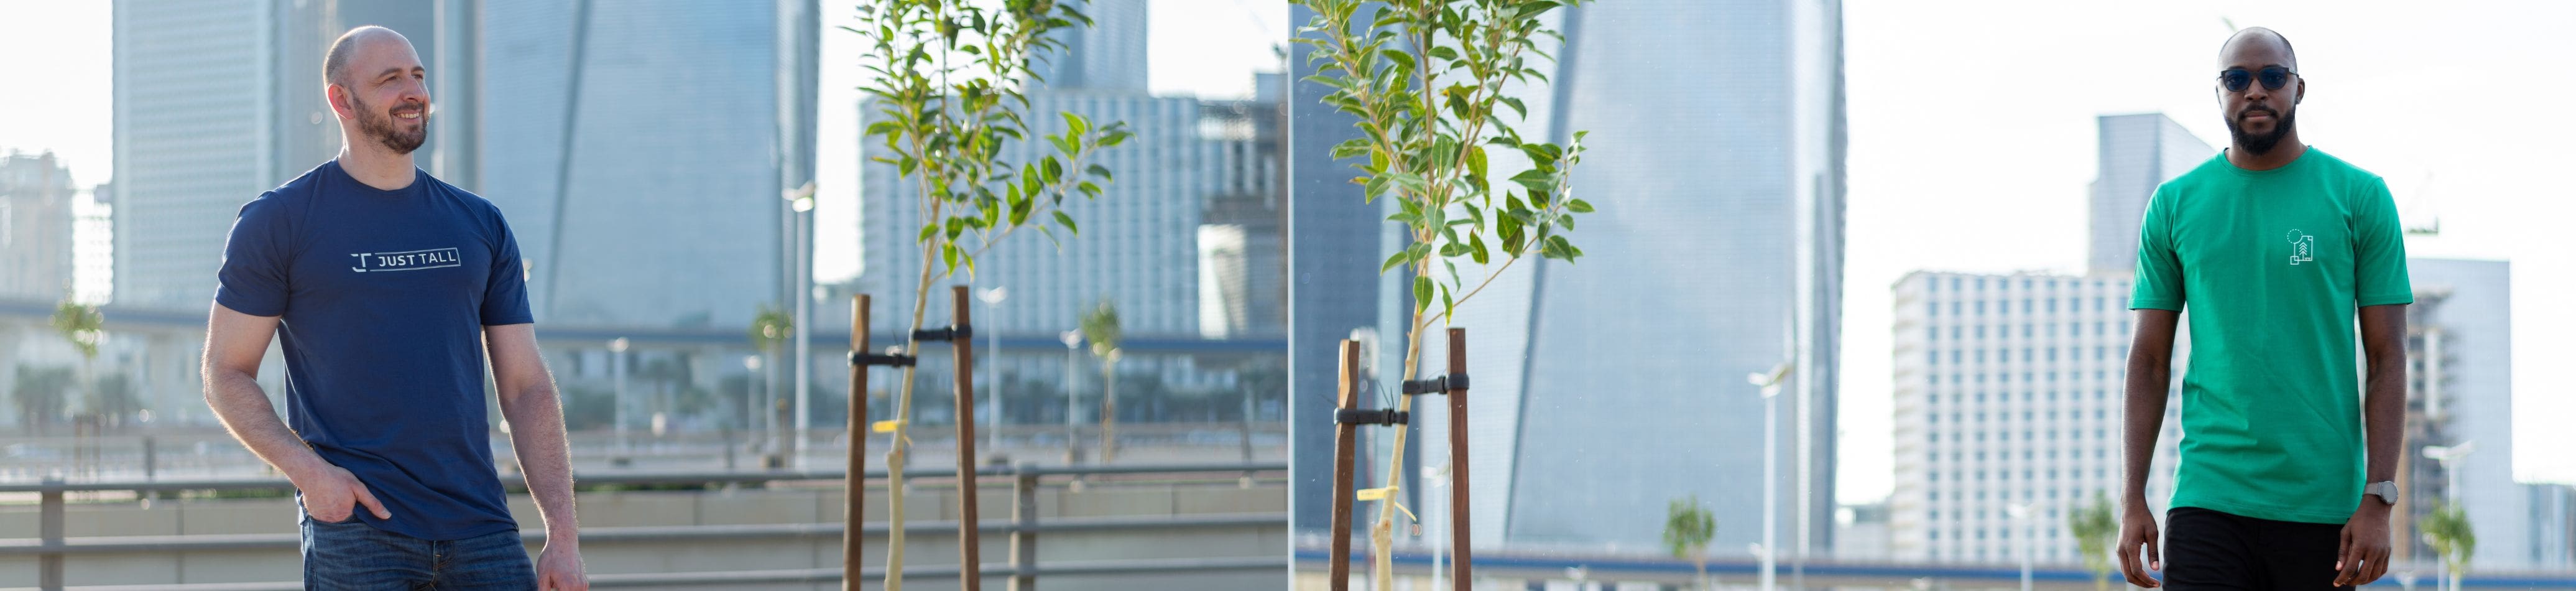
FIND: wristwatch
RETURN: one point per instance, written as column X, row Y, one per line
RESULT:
column 2386, row 490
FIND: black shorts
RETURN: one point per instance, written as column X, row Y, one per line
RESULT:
column 2207, row 550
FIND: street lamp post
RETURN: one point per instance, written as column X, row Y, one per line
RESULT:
column 2451, row 456
column 2020, row 513
column 1770, row 385
column 617, row 387
column 1072, row 341
column 993, row 367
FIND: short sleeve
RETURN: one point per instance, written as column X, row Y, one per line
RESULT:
column 2378, row 249
column 505, row 293
column 253, row 278
column 2158, row 281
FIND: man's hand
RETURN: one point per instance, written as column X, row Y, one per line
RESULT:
column 559, row 568
column 2137, row 530
column 331, row 494
column 2363, row 554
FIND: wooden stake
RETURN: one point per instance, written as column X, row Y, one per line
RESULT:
column 969, row 567
column 1344, row 440
column 1461, row 566
column 855, row 480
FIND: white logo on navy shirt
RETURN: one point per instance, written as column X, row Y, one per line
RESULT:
column 409, row 260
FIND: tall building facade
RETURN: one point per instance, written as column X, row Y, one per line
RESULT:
column 1139, row 245
column 37, row 202
column 249, row 116
column 1108, row 56
column 1608, row 387
column 641, row 149
column 1336, row 239
column 2008, row 392
column 2460, row 386
column 2137, row 153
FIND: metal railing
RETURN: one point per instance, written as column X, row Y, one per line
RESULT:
column 50, row 546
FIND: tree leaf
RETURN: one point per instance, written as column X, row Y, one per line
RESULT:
column 1067, row 220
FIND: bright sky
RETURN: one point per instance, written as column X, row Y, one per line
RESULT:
column 1965, row 121
column 1959, row 119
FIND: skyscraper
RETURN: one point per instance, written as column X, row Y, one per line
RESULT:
column 36, row 221
column 251, row 115
column 2461, row 372
column 2008, row 391
column 1108, row 56
column 1608, row 387
column 1336, row 239
column 640, row 151
column 2137, row 153
column 1139, row 241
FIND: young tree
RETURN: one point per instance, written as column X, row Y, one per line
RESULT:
column 2095, row 530
column 1687, row 530
column 1100, row 327
column 1426, row 79
column 944, row 86
column 2447, row 530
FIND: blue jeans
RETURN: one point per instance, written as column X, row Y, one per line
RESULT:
column 354, row 556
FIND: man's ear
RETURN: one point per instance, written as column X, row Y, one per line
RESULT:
column 338, row 97
column 2303, row 91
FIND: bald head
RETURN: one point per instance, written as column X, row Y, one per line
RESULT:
column 2257, row 40
column 335, row 65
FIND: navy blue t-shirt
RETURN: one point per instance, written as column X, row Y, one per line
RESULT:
column 383, row 297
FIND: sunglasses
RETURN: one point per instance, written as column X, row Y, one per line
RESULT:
column 2237, row 79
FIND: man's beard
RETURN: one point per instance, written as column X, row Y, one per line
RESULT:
column 2257, row 145
column 380, row 126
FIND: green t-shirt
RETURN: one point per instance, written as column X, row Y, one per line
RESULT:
column 2273, row 265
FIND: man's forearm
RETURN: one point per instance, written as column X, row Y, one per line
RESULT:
column 2141, row 418
column 2384, row 419
column 545, row 458
column 238, row 401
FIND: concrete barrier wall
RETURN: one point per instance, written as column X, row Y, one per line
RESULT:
column 782, row 505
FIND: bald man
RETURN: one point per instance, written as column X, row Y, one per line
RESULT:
column 2275, row 247
column 389, row 288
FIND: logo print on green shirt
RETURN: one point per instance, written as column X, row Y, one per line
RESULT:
column 2302, row 247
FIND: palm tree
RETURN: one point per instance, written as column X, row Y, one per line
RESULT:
column 1100, row 326
column 38, row 392
column 2448, row 531
column 81, row 325
column 2094, row 531
column 1687, row 530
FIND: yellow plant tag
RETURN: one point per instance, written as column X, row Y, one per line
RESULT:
column 885, row 426
column 1374, row 494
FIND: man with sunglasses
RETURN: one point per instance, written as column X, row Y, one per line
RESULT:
column 2275, row 247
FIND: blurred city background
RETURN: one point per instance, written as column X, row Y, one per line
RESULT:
column 1928, row 211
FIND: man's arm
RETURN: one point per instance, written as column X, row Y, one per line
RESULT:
column 234, row 344
column 2366, row 546
column 2142, row 416
column 527, row 394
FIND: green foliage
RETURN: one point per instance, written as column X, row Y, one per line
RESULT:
column 1688, row 527
column 114, row 396
column 944, row 83
column 2447, row 530
column 770, row 328
column 1426, row 78
column 40, row 393
column 1100, row 327
column 81, row 324
column 2094, row 530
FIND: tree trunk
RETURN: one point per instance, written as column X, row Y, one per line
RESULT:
column 1108, row 413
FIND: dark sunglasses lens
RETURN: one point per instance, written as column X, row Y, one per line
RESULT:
column 2273, row 78
column 2236, row 80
